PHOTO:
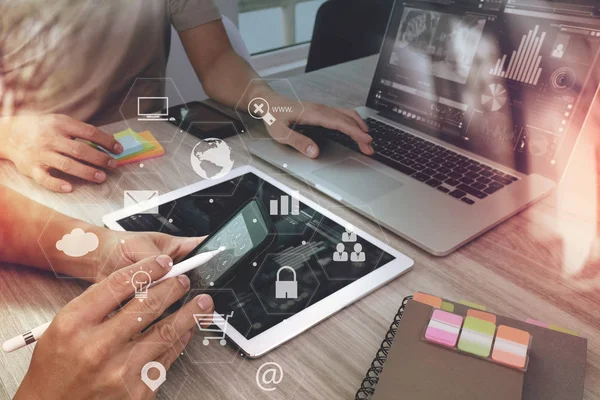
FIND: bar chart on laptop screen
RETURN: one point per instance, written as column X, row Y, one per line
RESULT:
column 524, row 63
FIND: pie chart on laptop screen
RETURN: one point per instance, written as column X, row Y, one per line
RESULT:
column 494, row 97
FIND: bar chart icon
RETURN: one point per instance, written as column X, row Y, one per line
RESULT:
column 524, row 63
column 286, row 205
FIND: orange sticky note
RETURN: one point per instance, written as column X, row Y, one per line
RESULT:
column 427, row 299
column 481, row 315
column 156, row 152
column 511, row 346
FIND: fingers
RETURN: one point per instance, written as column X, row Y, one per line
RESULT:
column 168, row 358
column 176, row 247
column 43, row 178
column 138, row 246
column 88, row 132
column 167, row 332
column 356, row 117
column 74, row 167
column 104, row 297
column 302, row 143
column 125, row 324
column 84, row 152
column 333, row 119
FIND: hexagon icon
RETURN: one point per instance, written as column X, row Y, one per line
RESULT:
column 282, row 116
column 343, row 254
column 142, row 110
column 210, row 344
column 285, row 283
column 276, row 376
column 76, row 241
column 209, row 158
column 141, row 375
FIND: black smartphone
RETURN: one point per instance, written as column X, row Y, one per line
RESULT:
column 245, row 236
column 204, row 121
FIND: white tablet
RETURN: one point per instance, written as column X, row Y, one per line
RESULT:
column 289, row 263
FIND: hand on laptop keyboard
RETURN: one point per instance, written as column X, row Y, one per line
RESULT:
column 451, row 173
column 345, row 121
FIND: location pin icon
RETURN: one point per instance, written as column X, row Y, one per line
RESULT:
column 154, row 384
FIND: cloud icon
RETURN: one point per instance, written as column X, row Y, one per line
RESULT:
column 78, row 243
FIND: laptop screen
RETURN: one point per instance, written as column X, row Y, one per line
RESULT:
column 511, row 82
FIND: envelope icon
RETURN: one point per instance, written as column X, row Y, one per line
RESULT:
column 145, row 200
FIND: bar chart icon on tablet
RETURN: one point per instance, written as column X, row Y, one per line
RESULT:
column 286, row 205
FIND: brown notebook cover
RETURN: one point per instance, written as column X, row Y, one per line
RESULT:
column 419, row 370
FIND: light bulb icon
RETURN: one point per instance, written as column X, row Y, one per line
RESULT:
column 140, row 282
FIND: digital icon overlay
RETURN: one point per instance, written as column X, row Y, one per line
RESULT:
column 154, row 384
column 356, row 255
column 145, row 198
column 151, row 103
column 283, row 205
column 258, row 108
column 268, row 376
column 78, row 243
column 211, row 158
column 140, row 281
column 221, row 321
column 286, row 289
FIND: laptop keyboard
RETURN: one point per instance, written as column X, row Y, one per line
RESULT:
column 458, row 176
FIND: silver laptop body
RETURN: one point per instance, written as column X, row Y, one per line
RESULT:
column 506, row 87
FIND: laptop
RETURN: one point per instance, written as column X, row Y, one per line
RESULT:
column 475, row 108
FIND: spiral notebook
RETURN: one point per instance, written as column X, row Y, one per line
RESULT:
column 408, row 367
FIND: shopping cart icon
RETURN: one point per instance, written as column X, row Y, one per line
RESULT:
column 218, row 320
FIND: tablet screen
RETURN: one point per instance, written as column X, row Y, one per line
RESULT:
column 309, row 258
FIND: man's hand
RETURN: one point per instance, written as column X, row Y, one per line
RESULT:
column 125, row 248
column 85, row 354
column 340, row 119
column 39, row 144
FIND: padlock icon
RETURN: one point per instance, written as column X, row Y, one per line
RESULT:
column 286, row 289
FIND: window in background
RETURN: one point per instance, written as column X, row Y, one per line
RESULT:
column 267, row 25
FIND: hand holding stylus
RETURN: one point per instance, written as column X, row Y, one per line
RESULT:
column 83, row 354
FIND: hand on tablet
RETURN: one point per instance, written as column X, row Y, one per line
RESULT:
column 341, row 119
column 37, row 145
column 125, row 248
column 84, row 354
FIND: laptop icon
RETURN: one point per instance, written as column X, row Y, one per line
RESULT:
column 153, row 108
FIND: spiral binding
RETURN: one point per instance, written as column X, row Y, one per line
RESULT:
column 367, row 387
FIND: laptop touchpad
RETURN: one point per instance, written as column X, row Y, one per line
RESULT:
column 358, row 179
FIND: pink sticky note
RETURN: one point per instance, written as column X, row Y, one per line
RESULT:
column 444, row 328
column 537, row 323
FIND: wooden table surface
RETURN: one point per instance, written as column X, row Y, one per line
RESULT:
column 542, row 263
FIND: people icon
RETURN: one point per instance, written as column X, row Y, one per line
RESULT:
column 349, row 235
column 559, row 51
column 357, row 255
column 340, row 255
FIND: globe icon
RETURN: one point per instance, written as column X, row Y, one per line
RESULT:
column 211, row 158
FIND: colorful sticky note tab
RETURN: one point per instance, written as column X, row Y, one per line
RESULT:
column 446, row 306
column 472, row 305
column 443, row 328
column 481, row 315
column 157, row 151
column 511, row 346
column 130, row 146
column 562, row 330
column 477, row 336
column 536, row 322
column 428, row 299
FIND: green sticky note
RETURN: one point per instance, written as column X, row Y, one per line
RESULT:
column 146, row 145
column 472, row 305
column 477, row 336
column 447, row 306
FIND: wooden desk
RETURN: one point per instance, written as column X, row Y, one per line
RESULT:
column 543, row 263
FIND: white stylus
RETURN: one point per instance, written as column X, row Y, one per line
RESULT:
column 185, row 266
